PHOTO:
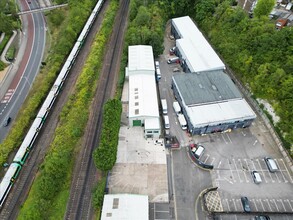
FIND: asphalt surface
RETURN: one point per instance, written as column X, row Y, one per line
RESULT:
column 25, row 67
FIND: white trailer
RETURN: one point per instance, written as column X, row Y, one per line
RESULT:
column 182, row 121
column 176, row 108
column 164, row 106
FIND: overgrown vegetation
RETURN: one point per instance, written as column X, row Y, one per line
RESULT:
column 49, row 194
column 105, row 154
column 259, row 54
column 8, row 16
column 63, row 41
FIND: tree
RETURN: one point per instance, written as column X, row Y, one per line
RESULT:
column 263, row 7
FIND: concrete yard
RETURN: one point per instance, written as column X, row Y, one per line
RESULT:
column 140, row 167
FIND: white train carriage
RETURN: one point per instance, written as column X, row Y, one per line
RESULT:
column 86, row 28
column 8, row 181
column 98, row 6
column 74, row 52
column 28, row 141
column 64, row 71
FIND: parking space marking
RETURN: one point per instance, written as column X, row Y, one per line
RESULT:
column 269, row 204
column 276, row 205
column 219, row 164
column 244, row 171
column 224, row 139
column 287, row 172
column 261, row 170
column 235, row 207
column 228, row 204
column 237, row 171
column 231, row 171
column 206, row 159
column 263, row 208
column 277, row 177
column 289, row 204
column 281, row 201
column 254, row 204
column 213, row 160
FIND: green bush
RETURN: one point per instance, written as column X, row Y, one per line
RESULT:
column 99, row 191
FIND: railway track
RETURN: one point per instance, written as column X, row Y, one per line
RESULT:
column 22, row 186
column 80, row 202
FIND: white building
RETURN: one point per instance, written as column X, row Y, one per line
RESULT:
column 195, row 52
column 125, row 207
column 143, row 102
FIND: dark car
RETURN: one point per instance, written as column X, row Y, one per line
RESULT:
column 262, row 217
column 245, row 204
column 7, row 121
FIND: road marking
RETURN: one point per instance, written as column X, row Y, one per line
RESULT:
column 219, row 164
column 243, row 133
column 277, row 177
column 237, row 171
column 263, row 208
column 227, row 204
column 276, row 205
column 229, row 138
column 213, row 161
column 287, row 171
column 206, row 158
column 244, row 171
column 269, row 205
column 234, row 204
column 261, row 170
column 224, row 139
column 281, row 201
column 254, row 204
column 231, row 170
column 255, row 142
column 289, row 204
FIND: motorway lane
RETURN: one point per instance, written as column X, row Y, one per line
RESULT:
column 28, row 68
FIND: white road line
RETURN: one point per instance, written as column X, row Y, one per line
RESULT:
column 243, row 133
column 255, row 142
column 289, row 203
column 206, row 158
column 219, row 164
column 283, row 204
column 244, row 171
column 287, row 171
column 234, row 204
column 227, row 204
column 277, row 177
column 235, row 217
column 247, row 165
column 263, row 208
column 269, row 205
column 231, row 171
column 229, row 138
column 237, row 170
column 213, row 160
column 276, row 205
column 254, row 204
column 224, row 139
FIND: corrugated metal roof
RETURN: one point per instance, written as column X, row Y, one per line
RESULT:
column 125, row 206
column 207, row 87
column 201, row 56
column 140, row 57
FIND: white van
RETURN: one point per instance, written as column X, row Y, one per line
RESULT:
column 182, row 121
column 256, row 177
column 271, row 164
column 158, row 72
column 164, row 106
column 199, row 151
column 176, row 108
column 173, row 60
column 166, row 122
column 157, row 64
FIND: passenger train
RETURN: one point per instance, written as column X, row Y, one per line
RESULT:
column 28, row 142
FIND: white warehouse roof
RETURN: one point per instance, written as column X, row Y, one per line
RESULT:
column 224, row 112
column 125, row 207
column 140, row 57
column 143, row 96
column 197, row 50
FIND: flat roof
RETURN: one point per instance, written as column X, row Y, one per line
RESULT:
column 199, row 52
column 143, row 96
column 125, row 206
column 140, row 57
column 204, row 88
column 225, row 112
column 152, row 123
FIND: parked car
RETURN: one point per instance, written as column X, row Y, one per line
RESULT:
column 245, row 204
column 7, row 121
column 271, row 164
column 256, row 177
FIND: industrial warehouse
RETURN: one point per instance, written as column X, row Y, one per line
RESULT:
column 211, row 102
column 209, row 99
column 194, row 51
column 143, row 102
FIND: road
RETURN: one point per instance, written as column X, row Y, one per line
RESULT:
column 34, row 34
